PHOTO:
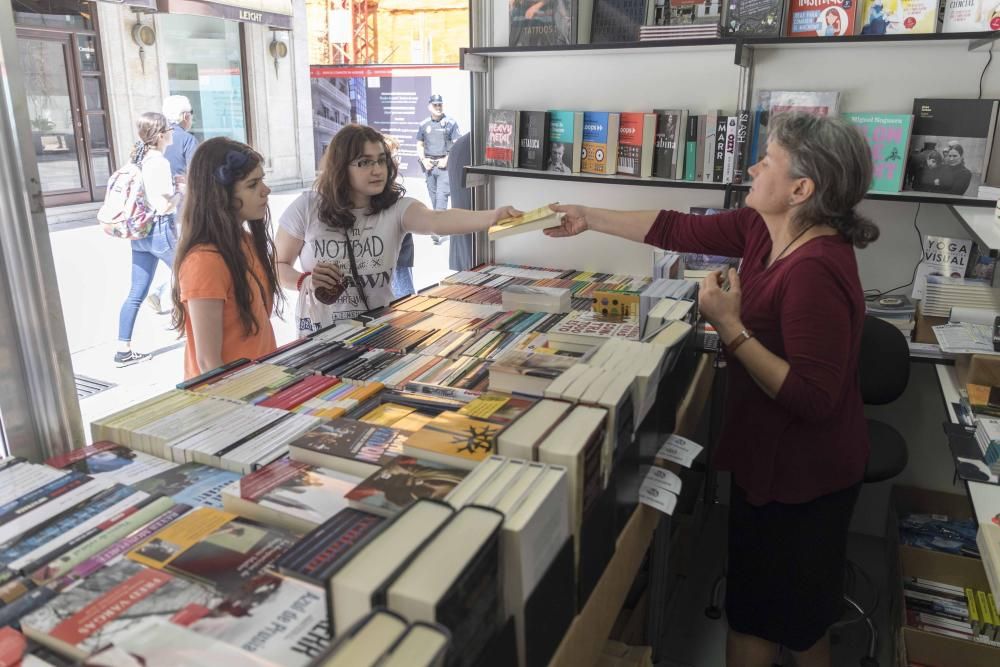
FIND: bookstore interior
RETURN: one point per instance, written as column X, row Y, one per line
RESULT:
column 517, row 466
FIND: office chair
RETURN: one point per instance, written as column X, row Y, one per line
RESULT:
column 884, row 370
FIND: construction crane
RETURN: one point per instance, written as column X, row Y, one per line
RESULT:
column 364, row 24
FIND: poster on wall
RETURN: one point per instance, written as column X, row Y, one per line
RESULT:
column 393, row 100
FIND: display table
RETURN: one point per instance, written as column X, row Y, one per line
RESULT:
column 591, row 628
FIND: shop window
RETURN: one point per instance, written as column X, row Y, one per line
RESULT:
column 205, row 64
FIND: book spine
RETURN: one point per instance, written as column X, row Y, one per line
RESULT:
column 742, row 146
column 691, row 148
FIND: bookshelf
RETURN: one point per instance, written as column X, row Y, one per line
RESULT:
column 982, row 224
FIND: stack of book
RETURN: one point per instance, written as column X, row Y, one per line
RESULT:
column 896, row 309
column 951, row 611
column 652, row 33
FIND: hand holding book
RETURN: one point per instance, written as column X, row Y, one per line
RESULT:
column 574, row 220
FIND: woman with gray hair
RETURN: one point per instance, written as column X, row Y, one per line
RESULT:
column 794, row 436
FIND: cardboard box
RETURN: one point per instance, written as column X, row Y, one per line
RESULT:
column 915, row 645
column 922, row 332
column 978, row 369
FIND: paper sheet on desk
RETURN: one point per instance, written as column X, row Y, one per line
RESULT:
column 969, row 331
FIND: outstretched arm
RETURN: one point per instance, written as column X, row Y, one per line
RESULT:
column 419, row 219
column 631, row 225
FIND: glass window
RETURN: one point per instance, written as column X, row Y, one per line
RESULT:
column 60, row 14
column 92, row 94
column 204, row 63
column 88, row 53
column 100, row 167
column 98, row 132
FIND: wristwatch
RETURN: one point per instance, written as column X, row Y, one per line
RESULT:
column 742, row 337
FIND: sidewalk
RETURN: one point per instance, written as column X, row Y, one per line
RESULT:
column 93, row 272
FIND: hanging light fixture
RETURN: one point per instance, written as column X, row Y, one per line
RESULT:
column 143, row 35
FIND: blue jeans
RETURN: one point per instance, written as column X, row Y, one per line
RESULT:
column 158, row 246
column 438, row 188
column 402, row 281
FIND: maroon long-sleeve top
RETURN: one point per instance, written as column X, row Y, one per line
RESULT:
column 807, row 308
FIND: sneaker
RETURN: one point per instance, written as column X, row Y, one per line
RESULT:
column 123, row 359
column 153, row 299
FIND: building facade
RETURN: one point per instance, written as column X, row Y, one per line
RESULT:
column 91, row 68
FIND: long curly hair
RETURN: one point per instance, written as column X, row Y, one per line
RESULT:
column 208, row 217
column 334, row 184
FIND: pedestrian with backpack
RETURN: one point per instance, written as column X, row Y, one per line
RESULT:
column 225, row 283
column 150, row 201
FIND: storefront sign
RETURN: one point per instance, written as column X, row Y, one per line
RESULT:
column 273, row 13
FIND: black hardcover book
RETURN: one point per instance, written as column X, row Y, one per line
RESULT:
column 617, row 20
column 742, row 146
column 760, row 18
column 549, row 610
column 719, row 155
column 533, row 150
column 551, row 23
column 950, row 145
column 665, row 146
column 597, row 543
column 501, row 649
column 316, row 556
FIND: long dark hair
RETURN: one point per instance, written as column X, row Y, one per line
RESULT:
column 208, row 217
column 832, row 153
column 334, row 183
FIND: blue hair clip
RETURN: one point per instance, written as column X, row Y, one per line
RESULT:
column 226, row 173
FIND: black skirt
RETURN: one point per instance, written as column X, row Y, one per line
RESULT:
column 785, row 578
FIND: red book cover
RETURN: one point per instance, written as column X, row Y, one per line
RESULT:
column 65, row 460
column 821, row 18
column 630, row 142
column 258, row 484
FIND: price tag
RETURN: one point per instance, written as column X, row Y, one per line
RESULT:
column 679, row 450
column 663, row 479
column 662, row 501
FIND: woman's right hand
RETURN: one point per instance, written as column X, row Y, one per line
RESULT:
column 327, row 275
column 574, row 220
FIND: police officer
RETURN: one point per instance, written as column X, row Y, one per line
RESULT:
column 435, row 138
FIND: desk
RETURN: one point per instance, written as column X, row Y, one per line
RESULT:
column 584, row 641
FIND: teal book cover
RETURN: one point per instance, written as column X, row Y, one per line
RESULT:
column 562, row 147
column 888, row 137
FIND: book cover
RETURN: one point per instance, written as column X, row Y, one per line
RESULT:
column 190, row 483
column 760, row 18
column 533, row 149
column 600, row 142
column 742, row 147
column 116, row 462
column 349, row 445
column 635, row 143
column 951, row 144
column 970, row 16
column 821, row 18
column 896, row 17
column 550, row 23
column 888, row 137
column 112, row 601
column 454, row 439
column 719, row 152
column 691, row 148
column 617, row 20
column 665, row 146
column 317, row 556
column 161, row 549
column 542, row 217
column 306, row 493
column 501, row 138
column 386, row 414
column 502, row 409
column 565, row 141
column 402, row 482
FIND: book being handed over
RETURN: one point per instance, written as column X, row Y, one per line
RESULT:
column 539, row 218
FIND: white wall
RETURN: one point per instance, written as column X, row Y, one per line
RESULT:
column 871, row 78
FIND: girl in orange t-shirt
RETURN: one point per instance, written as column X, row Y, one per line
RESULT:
column 225, row 286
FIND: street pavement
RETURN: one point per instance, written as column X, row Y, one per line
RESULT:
column 93, row 271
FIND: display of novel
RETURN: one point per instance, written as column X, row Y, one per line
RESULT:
column 669, row 134
column 617, row 20
column 501, row 138
column 348, row 445
column 636, row 138
column 116, row 462
column 821, row 18
column 970, row 16
column 760, row 18
column 552, row 23
column 600, row 142
column 951, row 145
column 402, row 482
column 897, row 17
column 565, row 141
column 317, row 555
column 888, row 137
column 533, row 149
column 688, row 12
column 455, row 440
column 191, row 483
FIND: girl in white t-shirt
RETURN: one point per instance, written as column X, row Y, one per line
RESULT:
column 158, row 246
column 357, row 198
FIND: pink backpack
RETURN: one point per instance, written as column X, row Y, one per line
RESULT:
column 126, row 213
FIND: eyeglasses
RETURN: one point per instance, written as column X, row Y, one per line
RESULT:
column 368, row 163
